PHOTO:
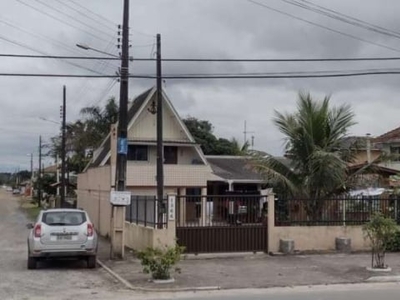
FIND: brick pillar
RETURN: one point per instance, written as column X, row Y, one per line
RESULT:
column 203, row 206
column 272, row 245
column 182, row 206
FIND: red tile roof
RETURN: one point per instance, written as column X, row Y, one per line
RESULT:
column 388, row 136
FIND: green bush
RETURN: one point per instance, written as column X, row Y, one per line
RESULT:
column 159, row 261
column 380, row 231
column 394, row 243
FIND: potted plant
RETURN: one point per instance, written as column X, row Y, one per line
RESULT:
column 159, row 261
column 380, row 231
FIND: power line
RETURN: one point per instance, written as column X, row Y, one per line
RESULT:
column 346, row 19
column 72, row 18
column 352, row 18
column 322, row 26
column 92, row 12
column 388, row 58
column 277, row 75
column 87, row 16
column 62, row 21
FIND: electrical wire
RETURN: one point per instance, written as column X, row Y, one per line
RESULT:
column 388, row 58
column 352, row 18
column 113, row 28
column 92, row 12
column 277, row 75
column 323, row 26
column 73, row 18
column 62, row 21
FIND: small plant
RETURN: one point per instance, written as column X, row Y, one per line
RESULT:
column 159, row 261
column 394, row 243
column 380, row 230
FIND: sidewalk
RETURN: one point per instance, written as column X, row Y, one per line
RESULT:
column 255, row 271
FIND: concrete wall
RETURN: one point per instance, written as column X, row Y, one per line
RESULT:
column 138, row 237
column 308, row 238
column 94, row 196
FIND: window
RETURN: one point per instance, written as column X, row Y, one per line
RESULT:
column 396, row 152
column 137, row 152
column 64, row 218
column 170, row 155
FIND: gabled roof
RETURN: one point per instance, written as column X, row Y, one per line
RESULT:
column 102, row 154
column 104, row 149
column 356, row 143
column 233, row 168
column 373, row 169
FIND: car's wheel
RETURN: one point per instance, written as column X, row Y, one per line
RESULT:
column 91, row 262
column 32, row 263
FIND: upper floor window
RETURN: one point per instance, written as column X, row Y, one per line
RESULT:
column 137, row 152
column 395, row 151
column 170, row 155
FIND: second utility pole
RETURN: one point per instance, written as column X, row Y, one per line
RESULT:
column 160, row 152
column 63, row 127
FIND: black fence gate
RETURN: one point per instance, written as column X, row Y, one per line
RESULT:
column 228, row 223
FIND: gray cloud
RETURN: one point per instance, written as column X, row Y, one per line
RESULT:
column 196, row 28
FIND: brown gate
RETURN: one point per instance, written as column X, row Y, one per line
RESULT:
column 207, row 224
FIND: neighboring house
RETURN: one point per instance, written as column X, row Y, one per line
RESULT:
column 362, row 147
column 389, row 143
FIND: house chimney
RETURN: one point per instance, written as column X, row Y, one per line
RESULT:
column 368, row 148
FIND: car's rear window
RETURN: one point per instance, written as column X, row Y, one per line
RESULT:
column 64, row 218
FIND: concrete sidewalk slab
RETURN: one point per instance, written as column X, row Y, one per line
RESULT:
column 253, row 271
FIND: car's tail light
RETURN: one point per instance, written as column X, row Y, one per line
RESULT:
column 90, row 229
column 38, row 230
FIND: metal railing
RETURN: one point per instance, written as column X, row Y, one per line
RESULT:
column 145, row 210
column 220, row 210
column 334, row 211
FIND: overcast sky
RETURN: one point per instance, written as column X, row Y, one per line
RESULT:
column 192, row 29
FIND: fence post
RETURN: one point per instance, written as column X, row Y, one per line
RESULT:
column 137, row 210
column 272, row 244
column 145, row 211
column 203, row 206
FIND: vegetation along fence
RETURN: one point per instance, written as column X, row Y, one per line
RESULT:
column 147, row 211
column 334, row 211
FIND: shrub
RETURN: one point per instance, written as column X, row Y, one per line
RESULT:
column 159, row 261
column 380, row 231
column 394, row 243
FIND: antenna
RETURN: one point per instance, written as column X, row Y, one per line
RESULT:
column 245, row 132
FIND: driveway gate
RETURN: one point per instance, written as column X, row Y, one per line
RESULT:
column 228, row 223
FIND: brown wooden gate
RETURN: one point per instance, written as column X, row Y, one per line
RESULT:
column 248, row 238
column 227, row 224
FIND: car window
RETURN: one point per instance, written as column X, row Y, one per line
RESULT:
column 64, row 218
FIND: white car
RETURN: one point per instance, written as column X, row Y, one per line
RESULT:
column 62, row 233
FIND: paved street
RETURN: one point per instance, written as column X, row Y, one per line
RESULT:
column 61, row 280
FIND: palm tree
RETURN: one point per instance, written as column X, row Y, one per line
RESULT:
column 98, row 120
column 313, row 135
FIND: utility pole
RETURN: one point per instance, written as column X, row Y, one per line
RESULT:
column 31, row 191
column 118, row 212
column 245, row 132
column 63, row 126
column 39, row 179
column 160, row 147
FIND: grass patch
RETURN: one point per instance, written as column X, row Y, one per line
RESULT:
column 30, row 208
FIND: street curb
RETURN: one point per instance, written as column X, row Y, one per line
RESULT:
column 141, row 289
column 383, row 279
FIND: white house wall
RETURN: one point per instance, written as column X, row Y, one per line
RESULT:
column 143, row 175
column 144, row 128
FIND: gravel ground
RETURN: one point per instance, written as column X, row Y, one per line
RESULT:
column 57, row 280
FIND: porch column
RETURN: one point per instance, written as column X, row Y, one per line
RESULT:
column 230, row 183
column 203, row 206
column 182, row 207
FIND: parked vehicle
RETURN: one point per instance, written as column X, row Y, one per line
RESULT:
column 62, row 233
column 16, row 192
column 9, row 189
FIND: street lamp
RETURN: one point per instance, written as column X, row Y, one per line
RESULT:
column 86, row 47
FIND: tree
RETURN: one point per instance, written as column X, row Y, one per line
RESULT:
column 319, row 163
column 202, row 132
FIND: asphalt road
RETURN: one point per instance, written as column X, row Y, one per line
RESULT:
column 58, row 280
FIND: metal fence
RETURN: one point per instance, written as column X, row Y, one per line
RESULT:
column 220, row 210
column 334, row 211
column 146, row 211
